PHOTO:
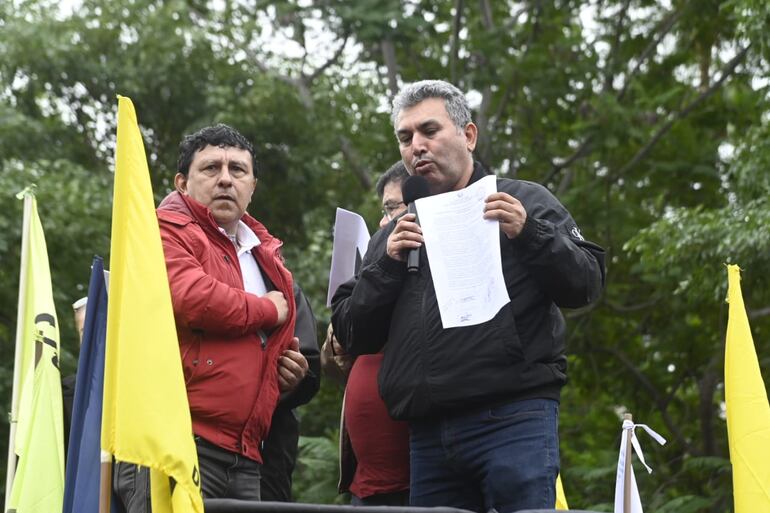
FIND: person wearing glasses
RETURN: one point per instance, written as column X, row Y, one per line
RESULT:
column 374, row 449
column 389, row 190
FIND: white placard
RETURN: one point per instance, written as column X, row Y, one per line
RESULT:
column 351, row 237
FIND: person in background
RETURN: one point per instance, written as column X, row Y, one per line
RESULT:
column 79, row 313
column 335, row 362
column 68, row 382
column 374, row 449
column 388, row 188
column 482, row 401
column 279, row 453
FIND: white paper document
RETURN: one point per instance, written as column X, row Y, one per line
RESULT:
column 351, row 237
column 464, row 253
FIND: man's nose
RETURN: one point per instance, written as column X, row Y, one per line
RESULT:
column 419, row 144
column 225, row 178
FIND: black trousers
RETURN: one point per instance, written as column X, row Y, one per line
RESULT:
column 227, row 475
column 224, row 475
column 131, row 484
column 279, row 456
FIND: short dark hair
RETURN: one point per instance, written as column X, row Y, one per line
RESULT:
column 220, row 136
column 395, row 173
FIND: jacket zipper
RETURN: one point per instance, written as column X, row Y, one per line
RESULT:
column 280, row 283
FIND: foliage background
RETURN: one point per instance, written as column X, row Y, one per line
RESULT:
column 648, row 119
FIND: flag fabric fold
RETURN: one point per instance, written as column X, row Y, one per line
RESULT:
column 748, row 412
column 146, row 416
column 620, row 491
column 38, row 484
column 81, row 485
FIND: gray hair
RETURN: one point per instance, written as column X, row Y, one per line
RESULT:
column 454, row 100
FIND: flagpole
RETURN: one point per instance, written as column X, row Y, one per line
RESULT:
column 11, row 469
column 105, row 482
column 627, row 472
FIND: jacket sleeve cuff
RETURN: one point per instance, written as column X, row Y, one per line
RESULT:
column 529, row 235
column 265, row 314
column 392, row 266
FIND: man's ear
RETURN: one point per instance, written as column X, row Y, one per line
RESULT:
column 180, row 182
column 471, row 136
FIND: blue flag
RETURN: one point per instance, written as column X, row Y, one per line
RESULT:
column 81, row 482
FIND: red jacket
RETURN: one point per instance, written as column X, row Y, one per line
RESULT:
column 231, row 378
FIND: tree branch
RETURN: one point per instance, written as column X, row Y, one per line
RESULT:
column 514, row 18
column 310, row 78
column 486, row 14
column 633, row 308
column 510, row 88
column 673, row 118
column 760, row 312
column 486, row 94
column 585, row 147
column 647, row 385
column 609, row 75
column 455, row 44
column 565, row 182
column 581, row 151
column 302, row 84
column 352, row 157
column 661, row 32
column 389, row 57
column 706, row 387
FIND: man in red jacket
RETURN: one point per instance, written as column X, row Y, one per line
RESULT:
column 238, row 315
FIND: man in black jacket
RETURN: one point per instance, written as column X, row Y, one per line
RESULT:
column 482, row 401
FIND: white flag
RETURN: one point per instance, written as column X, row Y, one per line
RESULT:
column 636, row 503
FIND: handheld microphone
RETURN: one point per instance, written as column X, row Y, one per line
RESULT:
column 413, row 188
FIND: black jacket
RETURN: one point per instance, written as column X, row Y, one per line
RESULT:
column 305, row 329
column 518, row 354
column 279, row 450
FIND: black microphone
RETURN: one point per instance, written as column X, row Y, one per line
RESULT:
column 412, row 189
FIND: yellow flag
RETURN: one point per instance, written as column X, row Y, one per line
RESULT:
column 38, row 485
column 146, row 417
column 748, row 412
column 561, row 499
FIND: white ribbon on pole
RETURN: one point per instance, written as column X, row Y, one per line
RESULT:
column 636, row 503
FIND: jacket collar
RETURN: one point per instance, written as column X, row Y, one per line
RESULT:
column 201, row 214
column 479, row 172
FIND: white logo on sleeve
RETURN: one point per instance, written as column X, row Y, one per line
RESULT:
column 575, row 232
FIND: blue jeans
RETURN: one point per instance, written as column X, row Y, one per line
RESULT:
column 504, row 458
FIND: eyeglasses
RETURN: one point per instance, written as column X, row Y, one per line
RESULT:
column 389, row 209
